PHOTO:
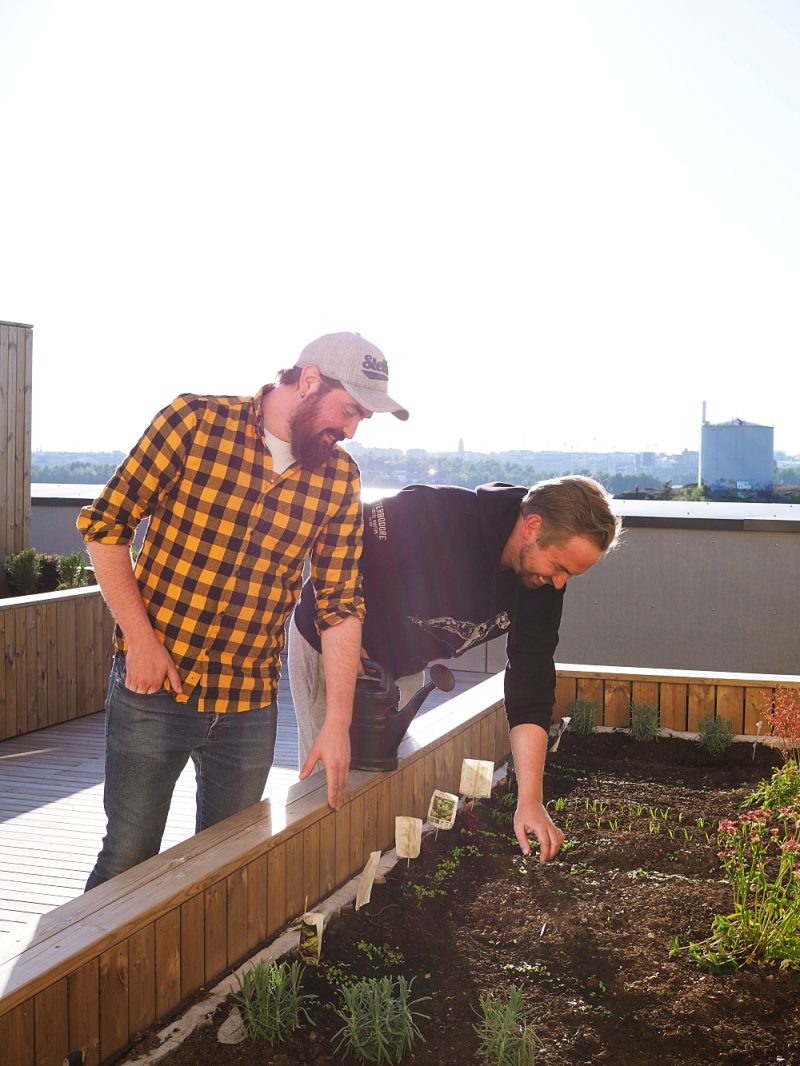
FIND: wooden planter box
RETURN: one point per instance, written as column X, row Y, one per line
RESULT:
column 55, row 653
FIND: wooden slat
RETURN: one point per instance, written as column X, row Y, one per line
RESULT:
column 342, row 860
column 276, row 889
column 755, row 711
column 730, row 705
column 21, row 670
column 192, row 946
column 646, row 692
column 167, row 931
column 311, row 866
column 51, row 1014
column 142, row 978
column 113, row 984
column 701, row 704
column 26, row 446
column 84, row 1012
column 358, row 837
column 673, row 706
column 327, row 855
column 17, row 1034
column 591, row 688
column 215, row 931
column 236, row 889
column 617, row 699
column 294, row 875
column 7, row 707
column 256, row 902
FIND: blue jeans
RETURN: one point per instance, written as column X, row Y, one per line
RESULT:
column 149, row 740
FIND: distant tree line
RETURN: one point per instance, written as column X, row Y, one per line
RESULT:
column 382, row 471
column 78, row 472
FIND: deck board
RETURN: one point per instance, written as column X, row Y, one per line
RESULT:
column 51, row 807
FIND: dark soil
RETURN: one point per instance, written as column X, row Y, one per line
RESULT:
column 585, row 937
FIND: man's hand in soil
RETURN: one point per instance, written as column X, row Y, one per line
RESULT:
column 531, row 817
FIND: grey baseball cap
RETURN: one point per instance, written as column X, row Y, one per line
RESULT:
column 360, row 366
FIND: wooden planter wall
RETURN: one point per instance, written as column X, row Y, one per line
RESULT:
column 55, row 654
column 683, row 698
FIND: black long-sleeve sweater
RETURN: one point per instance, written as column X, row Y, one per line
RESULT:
column 434, row 588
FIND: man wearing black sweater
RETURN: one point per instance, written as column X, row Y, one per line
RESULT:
column 445, row 569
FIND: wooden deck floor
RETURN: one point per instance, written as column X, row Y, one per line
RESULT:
column 51, row 808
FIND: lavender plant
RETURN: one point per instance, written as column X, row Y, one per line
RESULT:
column 714, row 734
column 505, row 1035
column 583, row 712
column 644, row 721
column 270, row 1000
column 380, row 1019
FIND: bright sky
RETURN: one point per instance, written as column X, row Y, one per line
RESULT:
column 567, row 224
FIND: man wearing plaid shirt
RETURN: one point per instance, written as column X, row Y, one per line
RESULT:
column 238, row 491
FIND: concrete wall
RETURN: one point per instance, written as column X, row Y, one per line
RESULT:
column 673, row 598
column 679, row 594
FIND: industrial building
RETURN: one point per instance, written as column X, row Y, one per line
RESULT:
column 736, row 456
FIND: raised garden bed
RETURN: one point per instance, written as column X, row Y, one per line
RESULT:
column 586, row 937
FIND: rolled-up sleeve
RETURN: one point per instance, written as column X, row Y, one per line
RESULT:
column 151, row 468
column 335, row 562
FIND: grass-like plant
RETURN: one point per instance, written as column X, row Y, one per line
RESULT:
column 23, row 570
column 714, row 734
column 505, row 1034
column 380, row 1019
column 72, row 571
column 270, row 1000
column 760, row 855
column 583, row 712
column 644, row 721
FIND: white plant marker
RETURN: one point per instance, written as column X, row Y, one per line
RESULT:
column 563, row 726
column 367, row 878
column 311, row 936
column 442, row 809
column 407, row 836
column 476, row 778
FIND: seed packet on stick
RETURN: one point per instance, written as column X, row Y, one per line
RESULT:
column 563, row 726
column 367, row 879
column 442, row 809
column 311, row 937
column 476, row 778
column 407, row 836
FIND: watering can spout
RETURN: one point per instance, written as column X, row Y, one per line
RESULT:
column 379, row 724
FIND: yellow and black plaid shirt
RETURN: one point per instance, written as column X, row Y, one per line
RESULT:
column 221, row 564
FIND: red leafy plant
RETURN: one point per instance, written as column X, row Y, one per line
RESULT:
column 783, row 714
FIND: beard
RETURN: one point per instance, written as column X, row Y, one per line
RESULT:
column 311, row 446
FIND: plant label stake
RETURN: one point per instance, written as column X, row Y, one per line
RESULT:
column 442, row 810
column 407, row 836
column 367, row 879
column 476, row 779
column 311, row 936
column 563, row 726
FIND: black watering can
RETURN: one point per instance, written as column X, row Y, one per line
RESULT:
column 379, row 724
